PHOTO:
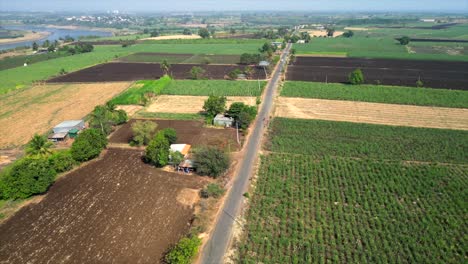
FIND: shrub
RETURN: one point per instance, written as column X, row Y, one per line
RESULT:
column 419, row 83
column 212, row 190
column 404, row 40
column 234, row 74
column 143, row 131
column 356, row 77
column 184, row 251
column 170, row 134
column 62, row 161
column 242, row 114
column 157, row 152
column 215, row 105
column 38, row 145
column 196, row 72
column 88, row 145
column 27, row 177
column 211, row 161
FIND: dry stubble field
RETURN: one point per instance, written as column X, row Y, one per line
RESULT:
column 373, row 113
column 113, row 210
column 39, row 108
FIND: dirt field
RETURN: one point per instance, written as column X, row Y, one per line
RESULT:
column 114, row 210
column 189, row 104
column 109, row 72
column 188, row 132
column 174, row 37
column 38, row 109
column 373, row 113
column 435, row 74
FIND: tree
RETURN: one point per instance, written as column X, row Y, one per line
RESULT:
column 39, row 146
column 242, row 114
column 232, row 31
column 211, row 161
column 157, row 152
column 305, row 36
column 62, row 161
column 155, row 33
column 184, row 251
column 215, row 105
column 165, row 66
column 35, row 46
column 143, row 131
column 101, row 118
column 404, row 40
column 247, row 58
column 268, row 49
column 196, row 72
column 28, row 176
column 348, row 34
column 46, row 43
column 356, row 77
column 187, row 32
column 176, row 158
column 88, row 145
column 248, row 71
column 204, row 33
column 330, row 31
column 212, row 32
column 234, row 74
column 51, row 48
column 170, row 134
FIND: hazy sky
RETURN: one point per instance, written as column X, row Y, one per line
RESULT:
column 239, row 5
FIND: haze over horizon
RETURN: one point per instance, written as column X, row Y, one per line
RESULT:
column 239, row 5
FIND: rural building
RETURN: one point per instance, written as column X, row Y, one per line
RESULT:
column 73, row 133
column 182, row 148
column 222, row 120
column 68, row 125
column 186, row 166
column 277, row 44
column 58, row 137
column 301, row 41
column 263, row 64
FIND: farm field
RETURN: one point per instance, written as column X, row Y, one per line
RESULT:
column 379, row 46
column 39, row 108
column 189, row 104
column 116, row 209
column 146, row 71
column 215, row 87
column 355, row 193
column 373, row 113
column 377, row 94
column 434, row 74
column 188, row 132
column 182, row 58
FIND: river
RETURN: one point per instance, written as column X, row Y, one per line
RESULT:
column 55, row 34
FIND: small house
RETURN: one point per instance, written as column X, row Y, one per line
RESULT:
column 68, row 125
column 301, row 41
column 182, row 148
column 58, row 137
column 186, row 166
column 222, row 120
column 263, row 64
column 73, row 133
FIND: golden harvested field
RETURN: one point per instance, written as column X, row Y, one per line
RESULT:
column 189, row 104
column 39, row 108
column 174, row 37
column 323, row 33
column 373, row 113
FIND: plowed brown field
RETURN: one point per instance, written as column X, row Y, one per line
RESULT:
column 114, row 210
column 38, row 109
column 373, row 113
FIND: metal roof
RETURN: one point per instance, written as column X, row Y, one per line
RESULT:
column 69, row 123
column 57, row 136
column 264, row 63
column 221, row 117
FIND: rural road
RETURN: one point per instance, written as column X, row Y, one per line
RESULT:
column 216, row 246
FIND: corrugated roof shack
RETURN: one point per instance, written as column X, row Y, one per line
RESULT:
column 222, row 120
column 68, row 125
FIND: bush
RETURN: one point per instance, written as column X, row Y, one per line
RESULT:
column 247, row 58
column 356, row 77
column 157, row 152
column 234, row 74
column 212, row 190
column 184, row 251
column 27, row 177
column 211, row 161
column 419, row 83
column 88, row 145
column 404, row 40
column 170, row 134
column 242, row 114
column 143, row 132
column 62, row 161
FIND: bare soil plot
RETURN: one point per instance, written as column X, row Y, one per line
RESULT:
column 189, row 104
column 114, row 210
column 188, row 132
column 109, row 72
column 39, row 108
column 435, row 74
column 373, row 113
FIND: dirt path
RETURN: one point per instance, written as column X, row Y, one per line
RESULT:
column 39, row 108
column 373, row 113
column 189, row 104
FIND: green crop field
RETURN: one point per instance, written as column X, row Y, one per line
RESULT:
column 182, row 58
column 136, row 93
column 335, row 192
column 377, row 94
column 215, row 87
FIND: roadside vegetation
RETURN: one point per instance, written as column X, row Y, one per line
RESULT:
column 377, row 94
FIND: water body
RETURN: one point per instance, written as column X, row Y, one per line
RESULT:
column 55, row 34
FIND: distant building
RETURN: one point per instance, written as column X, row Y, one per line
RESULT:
column 301, row 41
column 429, row 20
column 57, row 137
column 277, row 44
column 263, row 64
column 222, row 120
column 68, row 125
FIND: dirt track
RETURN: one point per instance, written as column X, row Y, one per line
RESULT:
column 115, row 210
column 39, row 108
column 435, row 74
column 189, row 104
column 373, row 113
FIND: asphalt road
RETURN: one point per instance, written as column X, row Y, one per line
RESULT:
column 216, row 246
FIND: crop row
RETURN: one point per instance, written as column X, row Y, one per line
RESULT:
column 341, row 210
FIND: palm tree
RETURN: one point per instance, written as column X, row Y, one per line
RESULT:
column 165, row 66
column 39, row 145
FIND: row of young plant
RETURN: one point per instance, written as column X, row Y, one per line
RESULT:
column 342, row 210
column 38, row 169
